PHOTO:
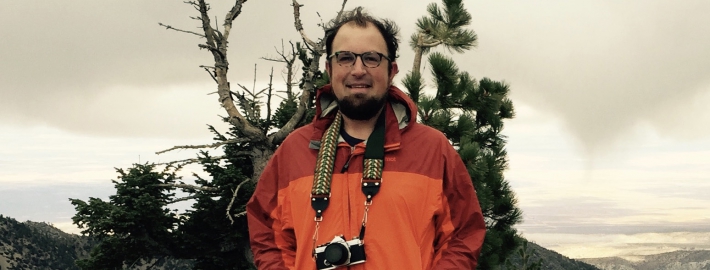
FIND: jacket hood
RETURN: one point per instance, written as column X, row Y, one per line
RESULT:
column 400, row 111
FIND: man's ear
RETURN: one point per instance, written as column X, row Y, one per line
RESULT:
column 393, row 71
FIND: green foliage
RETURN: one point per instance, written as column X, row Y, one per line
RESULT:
column 414, row 84
column 134, row 224
column 35, row 245
column 445, row 26
column 206, row 234
column 527, row 256
column 288, row 106
column 471, row 116
column 283, row 113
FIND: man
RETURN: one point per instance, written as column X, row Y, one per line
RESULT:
column 375, row 168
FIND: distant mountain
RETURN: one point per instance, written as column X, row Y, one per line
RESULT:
column 33, row 245
column 39, row 245
column 550, row 260
column 676, row 260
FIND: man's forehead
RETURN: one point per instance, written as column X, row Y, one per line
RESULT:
column 344, row 35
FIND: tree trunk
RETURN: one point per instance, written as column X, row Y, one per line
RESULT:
column 260, row 156
column 418, row 51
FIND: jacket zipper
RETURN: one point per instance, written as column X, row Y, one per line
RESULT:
column 347, row 163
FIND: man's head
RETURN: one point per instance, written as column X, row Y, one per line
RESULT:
column 360, row 82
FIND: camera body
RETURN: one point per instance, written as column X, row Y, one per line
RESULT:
column 339, row 252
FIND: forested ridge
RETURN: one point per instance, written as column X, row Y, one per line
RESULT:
column 39, row 245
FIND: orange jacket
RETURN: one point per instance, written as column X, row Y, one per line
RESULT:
column 425, row 216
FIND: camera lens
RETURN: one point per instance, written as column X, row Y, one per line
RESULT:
column 336, row 253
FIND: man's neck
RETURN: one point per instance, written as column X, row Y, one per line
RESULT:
column 360, row 129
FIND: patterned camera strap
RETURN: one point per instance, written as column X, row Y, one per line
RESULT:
column 373, row 164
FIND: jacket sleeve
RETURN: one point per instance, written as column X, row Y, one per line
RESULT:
column 460, row 228
column 272, row 242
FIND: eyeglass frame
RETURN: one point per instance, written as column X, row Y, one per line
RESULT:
column 360, row 56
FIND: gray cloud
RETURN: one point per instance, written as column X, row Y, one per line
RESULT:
column 603, row 67
column 107, row 68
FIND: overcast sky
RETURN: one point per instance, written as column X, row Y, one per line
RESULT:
column 612, row 134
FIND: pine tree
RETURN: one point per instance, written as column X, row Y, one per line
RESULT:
column 471, row 115
column 442, row 26
column 134, row 224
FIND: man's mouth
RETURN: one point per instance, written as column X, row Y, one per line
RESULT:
column 358, row 86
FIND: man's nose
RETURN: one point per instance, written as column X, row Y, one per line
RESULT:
column 358, row 67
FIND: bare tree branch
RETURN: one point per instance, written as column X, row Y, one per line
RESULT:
column 213, row 145
column 240, row 214
column 206, row 27
column 268, row 101
column 249, row 108
column 289, row 60
column 231, row 15
column 299, row 25
column 229, row 207
column 191, row 187
column 217, row 44
column 317, row 50
column 211, row 74
column 273, row 60
column 189, row 161
column 183, row 199
column 168, row 27
column 212, row 49
column 340, row 13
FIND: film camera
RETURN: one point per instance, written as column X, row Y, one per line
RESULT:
column 339, row 252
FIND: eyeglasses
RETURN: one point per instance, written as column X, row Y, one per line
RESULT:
column 369, row 59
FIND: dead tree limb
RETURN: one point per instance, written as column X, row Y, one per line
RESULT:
column 213, row 145
column 231, row 15
column 183, row 199
column 234, row 196
column 216, row 43
column 299, row 25
column 340, row 13
column 268, row 101
column 190, row 187
column 317, row 50
column 168, row 27
column 211, row 74
column 290, row 61
column 189, row 161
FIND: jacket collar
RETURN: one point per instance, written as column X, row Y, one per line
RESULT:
column 400, row 113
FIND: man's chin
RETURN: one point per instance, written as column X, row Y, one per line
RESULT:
column 361, row 107
column 358, row 96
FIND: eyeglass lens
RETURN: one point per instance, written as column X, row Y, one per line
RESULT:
column 369, row 59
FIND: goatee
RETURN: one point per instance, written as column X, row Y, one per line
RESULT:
column 361, row 107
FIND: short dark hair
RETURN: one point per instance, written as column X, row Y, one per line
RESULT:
column 387, row 28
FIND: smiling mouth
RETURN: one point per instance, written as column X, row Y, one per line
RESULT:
column 358, row 86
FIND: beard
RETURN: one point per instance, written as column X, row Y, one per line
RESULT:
column 360, row 107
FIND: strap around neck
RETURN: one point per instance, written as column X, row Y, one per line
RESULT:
column 373, row 162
